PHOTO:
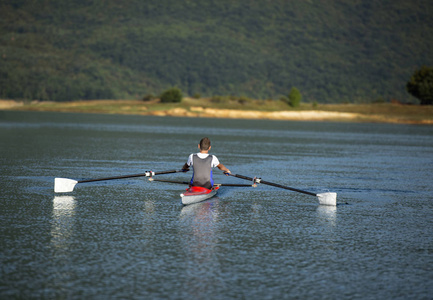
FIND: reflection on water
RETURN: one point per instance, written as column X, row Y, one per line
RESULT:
column 327, row 220
column 199, row 222
column 62, row 221
column 199, row 234
column 63, row 204
column 149, row 207
column 256, row 210
column 202, row 209
column 62, row 230
column 327, row 215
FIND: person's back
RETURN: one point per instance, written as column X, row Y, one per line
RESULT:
column 202, row 168
column 202, row 164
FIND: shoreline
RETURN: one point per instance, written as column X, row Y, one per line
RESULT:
column 332, row 113
column 304, row 115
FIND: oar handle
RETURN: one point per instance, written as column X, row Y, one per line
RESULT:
column 258, row 180
column 147, row 174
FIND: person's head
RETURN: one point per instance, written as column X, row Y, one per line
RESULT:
column 204, row 144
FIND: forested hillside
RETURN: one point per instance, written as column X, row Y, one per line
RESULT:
column 332, row 51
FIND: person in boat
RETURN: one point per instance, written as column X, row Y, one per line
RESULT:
column 202, row 164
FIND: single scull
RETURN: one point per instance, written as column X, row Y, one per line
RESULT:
column 193, row 194
column 196, row 194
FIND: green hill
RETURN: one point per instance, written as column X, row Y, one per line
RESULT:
column 332, row 51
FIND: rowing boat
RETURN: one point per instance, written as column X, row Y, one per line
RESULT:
column 196, row 194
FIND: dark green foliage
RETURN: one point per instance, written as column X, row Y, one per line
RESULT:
column 219, row 99
column 243, row 100
column 171, row 95
column 295, row 97
column 333, row 51
column 148, row 97
column 420, row 85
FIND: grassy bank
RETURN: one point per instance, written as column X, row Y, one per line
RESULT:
column 246, row 109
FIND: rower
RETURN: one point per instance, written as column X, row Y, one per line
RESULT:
column 202, row 164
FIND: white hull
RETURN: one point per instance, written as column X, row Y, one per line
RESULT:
column 190, row 199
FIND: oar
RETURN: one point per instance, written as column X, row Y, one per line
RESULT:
column 324, row 198
column 169, row 181
column 65, row 185
column 187, row 182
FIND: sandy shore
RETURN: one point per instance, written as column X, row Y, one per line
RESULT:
column 8, row 104
column 404, row 116
column 304, row 115
column 312, row 115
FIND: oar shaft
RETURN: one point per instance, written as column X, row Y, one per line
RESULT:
column 235, row 185
column 147, row 174
column 111, row 178
column 273, row 184
column 287, row 188
column 187, row 182
column 169, row 181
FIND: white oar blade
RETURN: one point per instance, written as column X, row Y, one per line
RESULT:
column 327, row 199
column 64, row 185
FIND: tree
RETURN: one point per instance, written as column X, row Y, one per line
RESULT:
column 420, row 85
column 172, row 95
column 295, row 97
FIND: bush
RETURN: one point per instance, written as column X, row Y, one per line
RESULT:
column 295, row 97
column 420, row 85
column 219, row 99
column 148, row 97
column 171, row 95
column 378, row 100
column 244, row 100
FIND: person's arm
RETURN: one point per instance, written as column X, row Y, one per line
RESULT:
column 187, row 164
column 223, row 168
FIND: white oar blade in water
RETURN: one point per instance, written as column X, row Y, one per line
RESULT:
column 327, row 199
column 64, row 185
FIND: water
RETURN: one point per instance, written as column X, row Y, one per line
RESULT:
column 131, row 238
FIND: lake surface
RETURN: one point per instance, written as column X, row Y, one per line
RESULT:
column 132, row 239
